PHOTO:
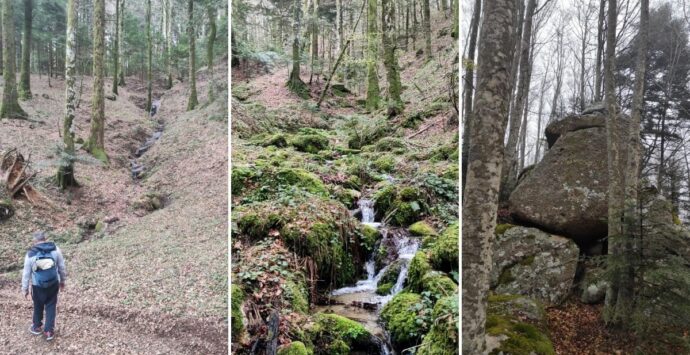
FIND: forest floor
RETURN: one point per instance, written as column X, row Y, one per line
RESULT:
column 146, row 258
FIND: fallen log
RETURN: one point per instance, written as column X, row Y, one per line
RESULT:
column 15, row 177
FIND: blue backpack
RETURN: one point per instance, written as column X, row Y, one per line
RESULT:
column 49, row 276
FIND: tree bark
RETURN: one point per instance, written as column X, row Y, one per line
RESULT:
column 469, row 87
column 96, row 143
column 483, row 178
column 65, row 175
column 121, row 81
column 116, row 49
column 426, row 23
column 373, row 97
column 149, row 55
column 295, row 83
column 168, row 46
column 600, row 49
column 193, row 100
column 10, row 98
column 25, row 72
column 390, row 60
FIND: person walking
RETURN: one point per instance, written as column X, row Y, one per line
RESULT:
column 44, row 267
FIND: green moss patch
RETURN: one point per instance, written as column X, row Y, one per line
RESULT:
column 444, row 253
column 419, row 266
column 502, row 228
column 438, row 284
column 309, row 143
column 334, row 334
column 422, row 229
column 444, row 333
column 504, row 319
column 236, row 317
column 384, row 289
column 401, row 205
column 294, row 348
column 401, row 316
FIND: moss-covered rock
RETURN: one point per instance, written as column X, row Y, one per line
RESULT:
column 443, row 337
column 392, row 272
column 296, row 293
column 301, row 178
column 515, row 325
column 236, row 316
column 334, row 334
column 443, row 255
column 502, row 228
column 390, row 144
column 279, row 140
column 309, row 143
column 384, row 289
column 367, row 132
column 419, row 266
column 400, row 317
column 438, row 284
column 294, row 348
column 422, row 229
column 385, row 163
column 402, row 206
column 370, row 236
column 239, row 178
column 348, row 197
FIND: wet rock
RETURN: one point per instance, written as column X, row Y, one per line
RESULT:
column 151, row 201
column 530, row 262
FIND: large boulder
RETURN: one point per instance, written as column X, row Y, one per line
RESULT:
column 566, row 193
column 533, row 263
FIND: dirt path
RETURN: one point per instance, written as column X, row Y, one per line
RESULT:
column 98, row 329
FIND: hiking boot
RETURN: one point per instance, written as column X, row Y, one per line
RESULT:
column 35, row 330
column 49, row 335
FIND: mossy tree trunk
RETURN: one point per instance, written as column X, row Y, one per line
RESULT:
column 116, row 45
column 65, row 175
column 149, row 54
column 483, row 177
column 426, row 23
column 193, row 100
column 295, row 83
column 209, row 48
column 96, row 143
column 25, row 71
column 469, row 87
column 121, row 80
column 390, row 60
column 2, row 47
column 373, row 95
column 10, row 98
column 168, row 38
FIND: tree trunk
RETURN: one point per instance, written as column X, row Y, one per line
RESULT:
column 583, row 48
column 149, row 56
column 426, row 23
column 395, row 103
column 116, row 49
column 469, row 87
column 10, row 98
column 168, row 38
column 615, row 188
column 372, row 58
column 483, row 178
column 314, row 39
column 295, row 83
column 600, row 50
column 338, row 25
column 96, row 143
column 509, row 173
column 121, row 81
column 65, row 175
column 542, row 91
column 209, row 49
column 193, row 101
column 25, row 72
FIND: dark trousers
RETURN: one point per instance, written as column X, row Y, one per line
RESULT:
column 45, row 299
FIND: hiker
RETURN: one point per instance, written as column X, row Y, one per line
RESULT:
column 45, row 266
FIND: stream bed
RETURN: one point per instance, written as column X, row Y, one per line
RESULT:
column 137, row 168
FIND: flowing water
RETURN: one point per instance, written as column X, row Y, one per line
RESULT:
column 348, row 300
column 136, row 167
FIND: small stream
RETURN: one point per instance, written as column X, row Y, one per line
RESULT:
column 137, row 168
column 350, row 301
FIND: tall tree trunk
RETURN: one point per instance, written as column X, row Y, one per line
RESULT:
column 373, row 97
column 624, row 301
column 96, row 143
column 509, row 173
column 25, row 73
column 455, row 8
column 65, row 175
column 426, row 23
column 395, row 103
column 414, row 24
column 10, row 98
column 600, row 49
column 121, row 81
column 149, row 55
column 193, row 100
column 168, row 47
column 469, row 87
column 314, row 38
column 483, row 178
column 2, row 47
column 338, row 25
column 209, row 48
column 583, row 48
column 542, row 92
column 615, row 188
column 523, row 132
column 116, row 49
column 295, row 83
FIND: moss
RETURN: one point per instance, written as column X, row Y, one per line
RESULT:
column 505, row 277
column 297, row 295
column 100, row 226
column 444, row 253
column 438, row 284
column 257, row 223
column 502, row 228
column 384, row 289
column 522, row 338
column 444, row 333
column 383, row 198
column 347, row 197
column 503, row 298
column 369, row 237
column 405, row 213
column 527, row 261
column 380, row 256
column 385, row 164
column 334, row 334
column 276, row 140
column 240, row 176
column 401, row 206
column 390, row 144
column 400, row 318
column 302, row 178
column 419, row 266
column 392, row 272
column 99, row 153
column 408, row 193
column 423, row 229
column 294, row 348
column 309, row 143
column 676, row 220
column 236, row 316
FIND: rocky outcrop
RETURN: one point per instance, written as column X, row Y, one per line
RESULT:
column 566, row 193
column 533, row 263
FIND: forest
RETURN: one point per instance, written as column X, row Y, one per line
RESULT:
column 113, row 141
column 344, row 181
column 575, row 195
